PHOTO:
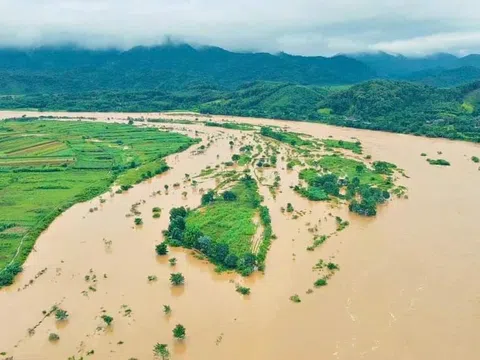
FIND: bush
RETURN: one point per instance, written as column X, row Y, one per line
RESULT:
column 138, row 221
column 9, row 273
column 161, row 248
column 289, row 208
column 475, row 159
column 243, row 290
column 208, row 197
column 53, row 337
column 177, row 279
column 107, row 319
column 167, row 309
column 229, row 196
column 295, row 298
column 61, row 315
column 179, row 332
column 172, row 261
column 320, row 282
column 161, row 350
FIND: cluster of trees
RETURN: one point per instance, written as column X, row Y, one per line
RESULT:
column 321, row 187
column 9, row 273
column 218, row 253
column 283, row 136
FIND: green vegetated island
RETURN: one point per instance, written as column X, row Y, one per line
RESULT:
column 223, row 228
column 47, row 166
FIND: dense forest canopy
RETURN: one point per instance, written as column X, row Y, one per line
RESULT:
column 339, row 90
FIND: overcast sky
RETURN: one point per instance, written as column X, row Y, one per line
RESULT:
column 306, row 27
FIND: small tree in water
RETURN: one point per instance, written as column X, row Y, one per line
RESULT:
column 179, row 332
column 177, row 279
column 161, row 350
column 107, row 319
column 161, row 249
column 61, row 315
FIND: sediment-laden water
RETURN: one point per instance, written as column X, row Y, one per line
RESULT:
column 407, row 287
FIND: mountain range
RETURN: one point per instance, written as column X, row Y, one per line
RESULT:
column 71, row 69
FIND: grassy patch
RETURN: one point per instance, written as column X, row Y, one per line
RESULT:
column 439, row 162
column 355, row 147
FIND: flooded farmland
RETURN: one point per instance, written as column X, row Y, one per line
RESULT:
column 407, row 287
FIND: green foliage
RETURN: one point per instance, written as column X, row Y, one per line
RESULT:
column 284, row 136
column 179, row 331
column 208, row 197
column 61, row 315
column 8, row 274
column 290, row 207
column 53, row 337
column 229, row 196
column 355, row 147
column 172, row 261
column 320, row 282
column 161, row 350
column 243, row 290
column 230, row 125
column 475, row 159
column 295, row 298
column 332, row 266
column 440, row 162
column 161, row 249
column 138, row 221
column 167, row 309
column 107, row 319
column 222, row 229
column 177, row 279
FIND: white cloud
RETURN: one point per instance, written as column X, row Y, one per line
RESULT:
column 310, row 27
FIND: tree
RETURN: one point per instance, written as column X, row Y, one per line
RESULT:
column 179, row 332
column 208, row 197
column 161, row 249
column 231, row 261
column 166, row 187
column 289, row 207
column 53, row 337
column 177, row 279
column 107, row 319
column 138, row 221
column 221, row 252
column 161, row 350
column 172, row 261
column 229, row 196
column 203, row 244
column 167, row 309
column 235, row 157
column 61, row 315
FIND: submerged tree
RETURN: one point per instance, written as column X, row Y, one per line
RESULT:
column 161, row 249
column 177, row 279
column 179, row 332
column 161, row 350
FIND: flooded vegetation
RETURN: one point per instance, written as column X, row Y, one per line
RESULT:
column 254, row 241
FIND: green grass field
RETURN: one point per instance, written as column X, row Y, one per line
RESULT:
column 230, row 222
column 47, row 166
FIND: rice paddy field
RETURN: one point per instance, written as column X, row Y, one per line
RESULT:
column 47, row 166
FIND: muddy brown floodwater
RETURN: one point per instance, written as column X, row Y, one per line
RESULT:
column 408, row 286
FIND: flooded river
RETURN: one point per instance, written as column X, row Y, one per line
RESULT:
column 407, row 287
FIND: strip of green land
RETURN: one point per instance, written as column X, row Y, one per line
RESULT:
column 47, row 166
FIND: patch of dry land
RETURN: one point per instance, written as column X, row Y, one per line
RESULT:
column 264, row 240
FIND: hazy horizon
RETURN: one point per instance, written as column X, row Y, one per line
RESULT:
column 306, row 27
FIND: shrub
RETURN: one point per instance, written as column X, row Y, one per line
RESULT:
column 107, row 319
column 61, row 315
column 229, row 196
column 161, row 350
column 177, row 279
column 172, row 261
column 161, row 248
column 475, row 159
column 138, row 221
column 243, row 290
column 156, row 215
column 9, row 273
column 289, row 208
column 295, row 298
column 320, row 282
column 167, row 309
column 208, row 197
column 179, row 331
column 332, row 266
column 53, row 337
